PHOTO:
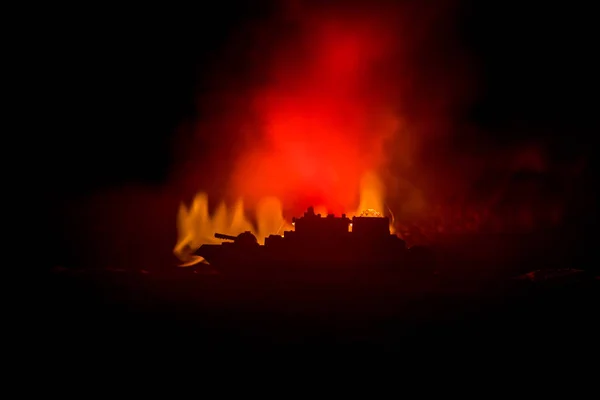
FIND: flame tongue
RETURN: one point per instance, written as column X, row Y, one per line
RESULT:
column 371, row 195
column 370, row 212
column 196, row 226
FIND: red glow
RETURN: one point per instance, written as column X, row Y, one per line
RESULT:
column 323, row 115
column 310, row 100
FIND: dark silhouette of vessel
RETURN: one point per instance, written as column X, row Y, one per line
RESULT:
column 325, row 242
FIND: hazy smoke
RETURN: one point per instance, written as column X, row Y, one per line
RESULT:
column 305, row 101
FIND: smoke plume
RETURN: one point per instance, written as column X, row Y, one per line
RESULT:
column 306, row 101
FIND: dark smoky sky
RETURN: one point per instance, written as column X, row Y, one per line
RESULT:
column 123, row 91
column 121, row 82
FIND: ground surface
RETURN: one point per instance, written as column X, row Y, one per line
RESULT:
column 105, row 310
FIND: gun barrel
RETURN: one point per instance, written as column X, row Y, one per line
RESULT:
column 224, row 237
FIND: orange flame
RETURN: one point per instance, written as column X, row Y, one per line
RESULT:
column 196, row 226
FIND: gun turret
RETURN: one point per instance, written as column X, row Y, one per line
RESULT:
column 224, row 237
column 244, row 238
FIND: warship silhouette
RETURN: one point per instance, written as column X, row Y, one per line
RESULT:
column 324, row 242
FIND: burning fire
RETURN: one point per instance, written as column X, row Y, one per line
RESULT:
column 197, row 226
column 332, row 97
column 349, row 90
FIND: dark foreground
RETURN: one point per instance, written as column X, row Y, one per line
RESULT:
column 118, row 312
